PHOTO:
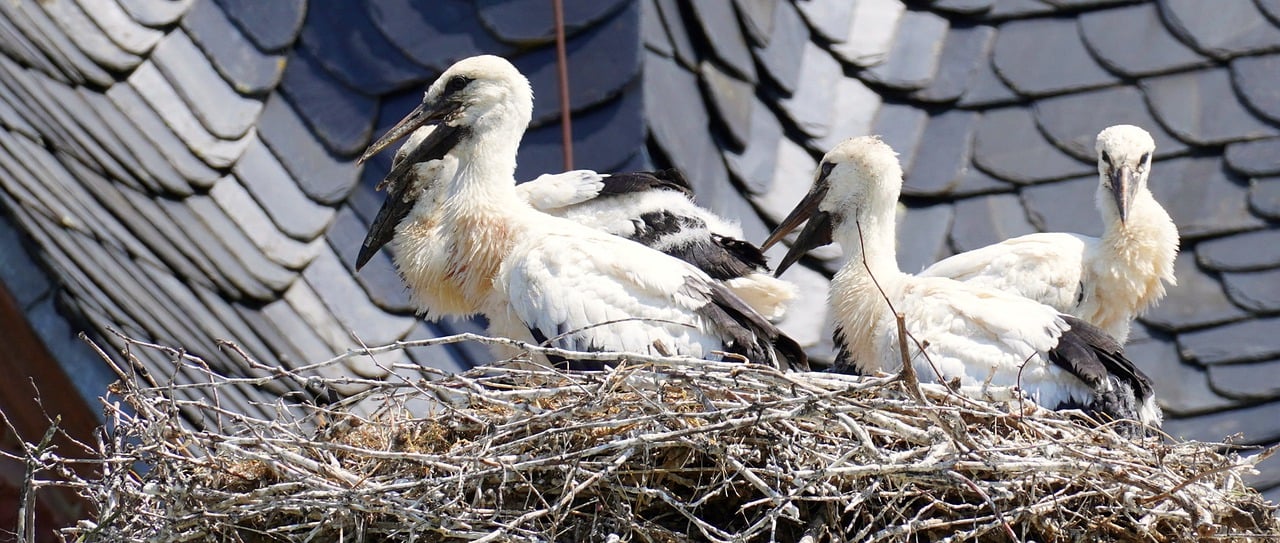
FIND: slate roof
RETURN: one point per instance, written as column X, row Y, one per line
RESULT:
column 182, row 170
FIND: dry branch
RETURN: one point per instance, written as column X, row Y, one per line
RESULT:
column 653, row 450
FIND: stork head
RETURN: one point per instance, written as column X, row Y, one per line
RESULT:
column 481, row 98
column 859, row 177
column 1124, row 159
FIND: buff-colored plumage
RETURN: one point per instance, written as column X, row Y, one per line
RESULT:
column 1106, row 281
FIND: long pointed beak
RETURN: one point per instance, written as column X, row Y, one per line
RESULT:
column 816, row 233
column 806, row 210
column 1122, row 190
column 400, row 195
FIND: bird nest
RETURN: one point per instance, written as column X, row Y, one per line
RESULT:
column 656, row 449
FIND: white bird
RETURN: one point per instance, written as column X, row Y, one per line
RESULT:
column 969, row 333
column 652, row 208
column 534, row 275
column 1106, row 281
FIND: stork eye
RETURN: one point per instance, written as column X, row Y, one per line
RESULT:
column 1106, row 158
column 456, row 84
column 1146, row 157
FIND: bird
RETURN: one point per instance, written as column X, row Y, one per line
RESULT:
column 533, row 275
column 1107, row 281
column 967, row 333
column 654, row 208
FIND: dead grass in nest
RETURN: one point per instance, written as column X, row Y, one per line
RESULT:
column 654, row 450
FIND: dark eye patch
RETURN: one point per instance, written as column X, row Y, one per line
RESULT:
column 1145, row 157
column 1106, row 158
column 456, row 83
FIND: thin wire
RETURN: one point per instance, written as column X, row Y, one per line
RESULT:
column 562, row 67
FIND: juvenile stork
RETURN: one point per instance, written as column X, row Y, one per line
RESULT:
column 652, row 208
column 533, row 275
column 970, row 333
column 1107, row 281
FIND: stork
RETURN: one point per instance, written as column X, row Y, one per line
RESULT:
column 973, row 334
column 1107, row 281
column 653, row 208
column 535, row 276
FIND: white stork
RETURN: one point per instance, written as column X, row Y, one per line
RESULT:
column 973, row 334
column 533, row 275
column 652, row 208
column 1106, row 281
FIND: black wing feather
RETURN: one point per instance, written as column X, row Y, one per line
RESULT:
column 750, row 334
column 632, row 182
column 1098, row 359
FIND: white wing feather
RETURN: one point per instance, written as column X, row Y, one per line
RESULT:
column 1047, row 268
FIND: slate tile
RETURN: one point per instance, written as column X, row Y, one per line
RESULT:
column 88, row 37
column 145, row 154
column 83, row 367
column 174, row 112
column 271, row 25
column 123, row 30
column 922, row 235
column 1248, row 251
column 239, row 246
column 1182, row 389
column 1073, row 68
column 1196, row 301
column 218, row 262
column 974, row 181
column 964, row 48
column 1256, row 424
column 287, row 324
column 248, row 329
column 1011, row 9
column 608, row 57
column 1064, row 206
column 80, row 119
column 345, row 41
column 947, row 142
column 232, row 54
column 239, row 206
column 962, row 7
column 11, row 118
column 985, row 88
column 680, row 131
column 221, row 110
column 788, row 43
column 1256, row 291
column 653, row 31
column 55, row 43
column 1235, row 27
column 730, row 100
column 811, row 105
column 319, row 174
column 829, row 19
column 348, row 303
column 792, row 176
column 530, row 21
column 1264, row 197
column 604, row 137
column 451, row 357
column 1257, row 158
column 915, row 54
column 900, row 126
column 857, row 107
column 1254, row 78
column 1072, row 121
column 1201, row 107
column 278, row 194
column 757, row 19
column 42, row 181
column 76, row 184
column 1008, row 145
column 754, row 164
column 435, row 34
column 20, row 274
column 121, row 162
column 719, row 21
column 1202, row 196
column 1133, row 41
column 25, row 87
column 1257, row 380
column 681, row 36
column 378, row 278
column 871, row 31
column 21, row 48
column 340, row 117
column 983, row 220
column 155, row 13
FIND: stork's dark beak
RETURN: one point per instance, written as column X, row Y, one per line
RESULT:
column 1122, row 189
column 815, row 234
column 400, row 190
